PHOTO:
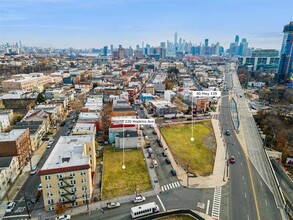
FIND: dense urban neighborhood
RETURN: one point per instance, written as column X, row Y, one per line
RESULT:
column 194, row 130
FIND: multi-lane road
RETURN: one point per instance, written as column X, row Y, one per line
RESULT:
column 251, row 197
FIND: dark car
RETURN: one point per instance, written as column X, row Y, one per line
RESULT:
column 168, row 161
column 232, row 160
column 164, row 154
column 45, row 139
column 154, row 132
column 228, row 133
column 62, row 123
column 173, row 172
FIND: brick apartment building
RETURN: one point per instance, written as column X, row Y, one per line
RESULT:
column 66, row 177
column 16, row 143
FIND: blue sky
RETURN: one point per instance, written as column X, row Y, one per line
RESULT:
column 95, row 23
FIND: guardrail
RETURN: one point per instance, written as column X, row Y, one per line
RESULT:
column 173, row 212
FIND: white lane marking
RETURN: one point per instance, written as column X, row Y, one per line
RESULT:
column 216, row 203
column 161, row 203
column 173, row 185
column 245, row 195
column 266, row 202
column 208, row 207
column 167, row 187
column 247, row 216
column 242, row 177
column 238, row 152
column 261, row 183
column 163, row 188
column 241, row 163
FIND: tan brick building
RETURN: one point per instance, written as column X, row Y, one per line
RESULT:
column 27, row 82
column 16, row 143
column 66, row 177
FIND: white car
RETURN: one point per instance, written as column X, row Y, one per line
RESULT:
column 111, row 205
column 40, row 188
column 138, row 199
column 10, row 207
column 34, row 170
column 63, row 217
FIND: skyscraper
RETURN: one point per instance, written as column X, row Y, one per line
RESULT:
column 175, row 39
column 243, row 47
column 206, row 42
column 285, row 71
column 236, row 40
column 105, row 51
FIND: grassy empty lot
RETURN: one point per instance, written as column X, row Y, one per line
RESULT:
column 200, row 153
column 118, row 182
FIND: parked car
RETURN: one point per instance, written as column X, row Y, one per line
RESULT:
column 139, row 198
column 173, row 172
column 50, row 143
column 155, row 163
column 232, row 160
column 168, row 161
column 62, row 123
column 10, row 207
column 150, row 150
column 40, row 188
column 111, row 205
column 63, row 217
column 228, row 132
column 34, row 170
column 45, row 139
column 164, row 153
column 154, row 132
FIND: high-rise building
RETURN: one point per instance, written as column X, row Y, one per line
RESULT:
column 105, row 51
column 236, row 40
column 206, row 42
column 285, row 71
column 176, row 39
column 243, row 47
column 217, row 49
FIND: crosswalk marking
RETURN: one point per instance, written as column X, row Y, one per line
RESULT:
column 215, row 116
column 216, row 203
column 170, row 186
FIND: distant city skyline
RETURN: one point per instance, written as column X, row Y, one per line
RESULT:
column 98, row 23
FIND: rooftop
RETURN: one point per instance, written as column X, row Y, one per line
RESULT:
column 5, row 161
column 12, row 135
column 69, row 151
column 80, row 127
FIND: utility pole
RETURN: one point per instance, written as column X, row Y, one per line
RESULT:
column 26, row 206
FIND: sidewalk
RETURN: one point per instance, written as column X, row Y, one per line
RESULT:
column 20, row 180
column 37, row 214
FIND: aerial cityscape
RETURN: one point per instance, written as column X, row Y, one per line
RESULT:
column 143, row 109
